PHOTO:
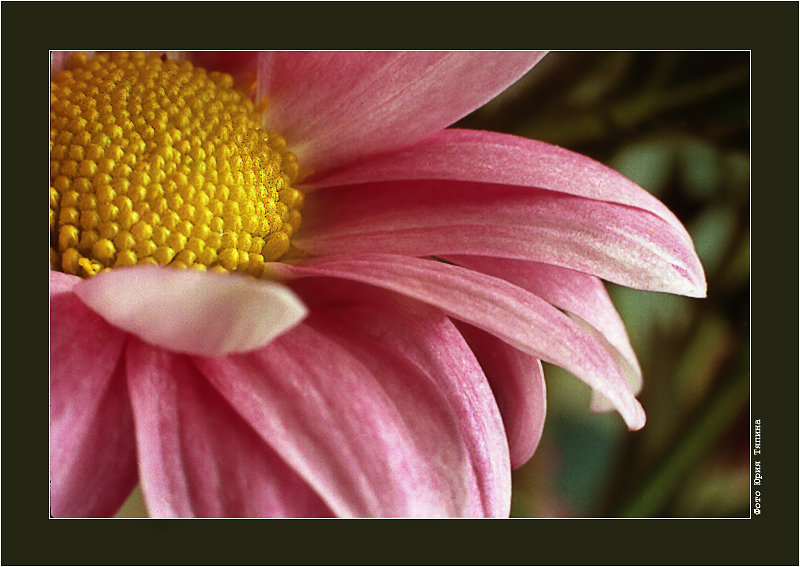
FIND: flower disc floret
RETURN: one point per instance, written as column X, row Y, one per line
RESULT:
column 161, row 162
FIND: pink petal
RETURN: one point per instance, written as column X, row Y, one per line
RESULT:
column 581, row 295
column 494, row 158
column 192, row 312
column 198, row 458
column 427, row 337
column 242, row 65
column 92, row 451
column 59, row 58
column 517, row 381
column 622, row 244
column 512, row 314
column 61, row 282
column 364, row 427
column 334, row 108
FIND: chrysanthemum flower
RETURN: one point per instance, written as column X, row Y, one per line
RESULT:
column 366, row 296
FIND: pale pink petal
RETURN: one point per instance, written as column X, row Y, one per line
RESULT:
column 61, row 282
column 198, row 458
column 581, row 295
column 364, row 427
column 630, row 370
column 619, row 243
column 512, row 314
column 427, row 337
column 92, row 450
column 192, row 312
column 334, row 108
column 59, row 58
column 517, row 380
column 494, row 158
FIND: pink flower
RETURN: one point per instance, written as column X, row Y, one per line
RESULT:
column 391, row 369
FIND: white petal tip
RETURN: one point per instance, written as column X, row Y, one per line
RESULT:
column 637, row 420
column 634, row 417
column 698, row 289
column 192, row 312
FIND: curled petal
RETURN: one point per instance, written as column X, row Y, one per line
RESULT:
column 619, row 243
column 337, row 107
column 198, row 458
column 517, row 381
column 583, row 296
column 92, row 451
column 512, row 314
column 364, row 427
column 192, row 312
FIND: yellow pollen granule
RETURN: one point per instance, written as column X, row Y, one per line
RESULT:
column 161, row 162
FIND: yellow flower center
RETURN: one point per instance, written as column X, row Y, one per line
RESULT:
column 160, row 162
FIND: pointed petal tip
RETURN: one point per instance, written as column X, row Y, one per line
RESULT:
column 192, row 312
column 630, row 410
column 692, row 272
column 701, row 289
column 690, row 283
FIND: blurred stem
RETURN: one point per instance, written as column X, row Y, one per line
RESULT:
column 595, row 124
column 631, row 112
column 134, row 506
column 688, row 449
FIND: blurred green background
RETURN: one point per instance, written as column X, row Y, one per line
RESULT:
column 677, row 123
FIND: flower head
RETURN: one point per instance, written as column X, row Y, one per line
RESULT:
column 365, row 297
